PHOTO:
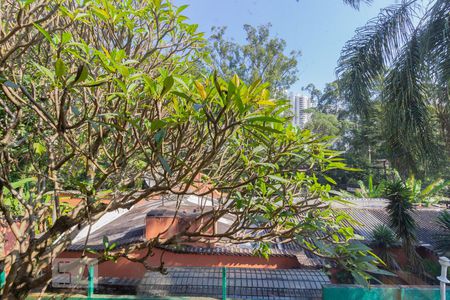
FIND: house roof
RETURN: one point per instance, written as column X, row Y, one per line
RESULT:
column 369, row 214
column 228, row 250
column 182, row 211
column 129, row 227
column 242, row 283
column 125, row 229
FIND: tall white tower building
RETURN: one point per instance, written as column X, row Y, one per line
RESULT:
column 299, row 103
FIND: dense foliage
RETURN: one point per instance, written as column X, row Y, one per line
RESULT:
column 262, row 57
column 400, row 59
column 97, row 95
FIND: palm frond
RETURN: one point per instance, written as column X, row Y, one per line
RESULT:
column 384, row 239
column 365, row 57
column 436, row 41
column 407, row 119
column 357, row 3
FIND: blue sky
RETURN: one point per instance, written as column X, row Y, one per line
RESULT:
column 318, row 28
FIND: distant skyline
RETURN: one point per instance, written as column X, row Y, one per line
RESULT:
column 318, row 28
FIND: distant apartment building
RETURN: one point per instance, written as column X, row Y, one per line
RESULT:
column 299, row 104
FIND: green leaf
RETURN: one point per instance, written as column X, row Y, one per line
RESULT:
column 157, row 124
column 357, row 247
column 66, row 37
column 159, row 136
column 278, row 178
column 101, row 13
column 165, row 164
column 254, row 85
column 45, row 71
column 44, row 32
column 22, row 182
column 82, row 74
column 264, row 128
column 181, row 8
column 39, row 148
column 359, row 279
column 112, row 246
column 97, row 82
column 329, row 179
column 239, row 103
column 182, row 95
column 92, row 251
column 168, row 83
column 263, row 119
column 105, row 241
column 60, row 68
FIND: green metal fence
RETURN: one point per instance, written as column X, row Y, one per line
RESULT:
column 101, row 297
column 352, row 292
column 91, row 295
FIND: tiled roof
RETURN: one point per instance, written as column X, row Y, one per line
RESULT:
column 242, row 283
column 127, row 228
column 226, row 250
column 130, row 226
column 369, row 218
column 183, row 211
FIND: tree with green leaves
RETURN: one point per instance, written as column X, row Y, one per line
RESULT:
column 324, row 124
column 428, row 194
column 262, row 57
column 329, row 100
column 406, row 48
column 360, row 139
column 401, row 220
column 96, row 95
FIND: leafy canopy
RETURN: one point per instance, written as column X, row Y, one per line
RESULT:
column 262, row 57
column 97, row 95
column 406, row 48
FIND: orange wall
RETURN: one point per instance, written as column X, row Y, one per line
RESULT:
column 128, row 269
column 165, row 226
column 170, row 226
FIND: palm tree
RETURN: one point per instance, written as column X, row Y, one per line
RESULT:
column 383, row 239
column 356, row 3
column 407, row 49
column 442, row 239
column 400, row 211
